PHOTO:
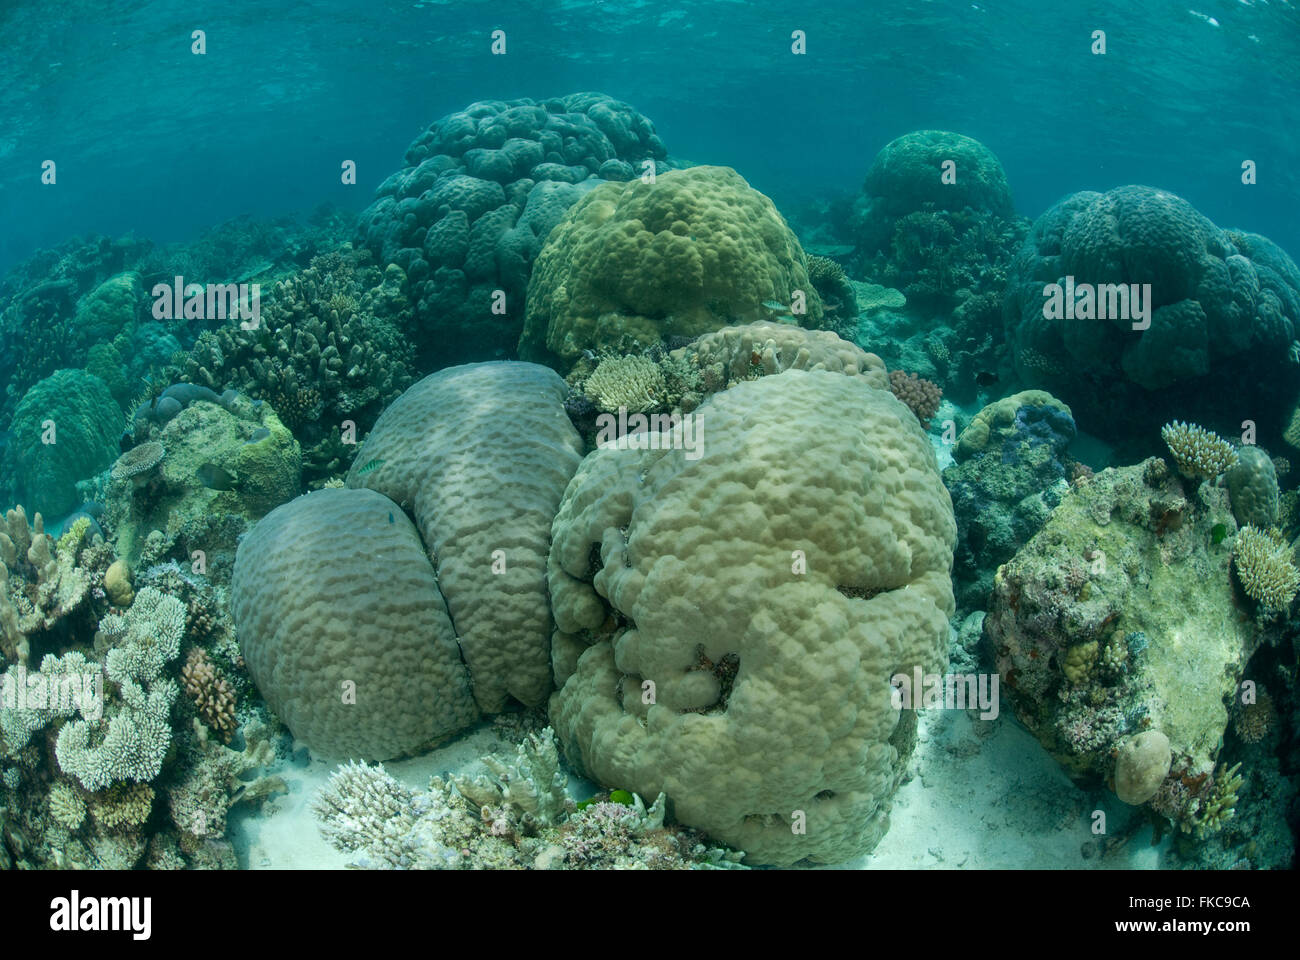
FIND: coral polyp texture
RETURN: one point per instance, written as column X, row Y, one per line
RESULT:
column 480, row 454
column 481, row 189
column 635, row 263
column 1199, row 454
column 344, row 630
column 727, row 626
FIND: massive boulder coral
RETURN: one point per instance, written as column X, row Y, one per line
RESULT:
column 943, row 235
column 329, row 349
column 481, row 189
column 480, row 454
column 344, row 630
column 1120, row 618
column 635, row 263
column 1224, row 308
column 64, row 429
column 730, row 616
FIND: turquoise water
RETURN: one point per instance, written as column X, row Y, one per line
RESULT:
column 653, row 399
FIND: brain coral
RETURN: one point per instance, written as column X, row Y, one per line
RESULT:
column 481, row 454
column 634, row 263
column 333, row 589
column 1224, row 307
column 770, row 678
column 87, row 423
column 481, row 189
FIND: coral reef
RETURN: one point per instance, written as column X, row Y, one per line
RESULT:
column 519, row 819
column 481, row 189
column 636, row 383
column 44, row 587
column 1252, row 485
column 130, row 741
column 330, row 348
column 212, row 695
column 687, row 660
column 481, row 454
column 314, row 612
column 213, row 469
column 1009, row 471
column 633, row 264
column 1118, row 618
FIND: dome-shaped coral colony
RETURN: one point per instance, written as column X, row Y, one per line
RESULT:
column 622, row 453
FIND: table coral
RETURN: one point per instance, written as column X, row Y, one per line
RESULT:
column 633, row 264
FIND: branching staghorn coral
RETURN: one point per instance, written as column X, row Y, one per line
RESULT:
column 1199, row 454
column 130, row 741
column 1264, row 566
column 328, row 349
column 1208, row 816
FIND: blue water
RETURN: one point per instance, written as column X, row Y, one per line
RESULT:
column 151, row 138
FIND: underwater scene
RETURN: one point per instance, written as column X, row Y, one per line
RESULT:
column 587, row 434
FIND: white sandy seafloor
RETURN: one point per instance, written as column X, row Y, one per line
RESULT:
column 981, row 794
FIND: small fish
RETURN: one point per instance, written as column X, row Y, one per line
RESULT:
column 777, row 305
column 390, row 518
column 261, row 433
column 986, row 379
column 371, row 467
column 216, row 478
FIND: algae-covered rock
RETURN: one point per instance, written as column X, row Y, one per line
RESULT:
column 1128, row 562
column 233, row 464
column 65, row 429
